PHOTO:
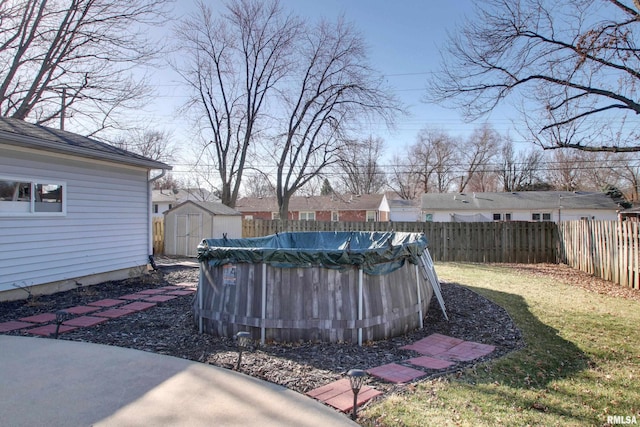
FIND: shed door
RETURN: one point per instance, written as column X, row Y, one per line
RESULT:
column 188, row 233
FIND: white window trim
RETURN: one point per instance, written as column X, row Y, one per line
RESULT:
column 306, row 213
column 375, row 216
column 275, row 215
column 337, row 216
column 542, row 214
column 32, row 212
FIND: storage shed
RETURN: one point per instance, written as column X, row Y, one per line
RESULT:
column 187, row 224
column 316, row 286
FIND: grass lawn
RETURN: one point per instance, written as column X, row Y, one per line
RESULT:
column 581, row 363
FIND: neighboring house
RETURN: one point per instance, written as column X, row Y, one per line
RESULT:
column 630, row 214
column 165, row 199
column 403, row 210
column 346, row 207
column 73, row 210
column 518, row 206
column 190, row 222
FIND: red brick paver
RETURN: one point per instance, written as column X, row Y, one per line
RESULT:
column 81, row 309
column 339, row 394
column 181, row 293
column 466, row 351
column 433, row 345
column 138, row 306
column 85, row 321
column 113, row 313
column 106, row 302
column 151, row 291
column 13, row 325
column 395, row 373
column 40, row 318
column 430, row 362
column 50, row 329
column 133, row 297
column 160, row 298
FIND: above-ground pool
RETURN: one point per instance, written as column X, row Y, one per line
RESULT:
column 315, row 286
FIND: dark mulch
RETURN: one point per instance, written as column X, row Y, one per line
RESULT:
column 169, row 329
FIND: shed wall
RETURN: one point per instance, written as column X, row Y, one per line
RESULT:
column 182, row 242
column 105, row 228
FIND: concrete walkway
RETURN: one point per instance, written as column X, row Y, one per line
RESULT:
column 65, row 383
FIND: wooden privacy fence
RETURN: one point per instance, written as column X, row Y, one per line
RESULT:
column 157, row 231
column 607, row 249
column 518, row 242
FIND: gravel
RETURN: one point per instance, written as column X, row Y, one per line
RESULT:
column 169, row 329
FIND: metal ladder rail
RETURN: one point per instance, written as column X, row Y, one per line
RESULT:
column 430, row 275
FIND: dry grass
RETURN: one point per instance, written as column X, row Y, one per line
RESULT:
column 580, row 365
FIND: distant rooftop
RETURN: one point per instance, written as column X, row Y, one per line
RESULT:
column 518, row 200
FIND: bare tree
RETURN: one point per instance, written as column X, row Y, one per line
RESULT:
column 573, row 65
column 477, row 154
column 403, row 179
column 258, row 185
column 153, row 144
column 521, row 171
column 566, row 171
column 233, row 62
column 168, row 182
column 73, row 59
column 332, row 92
column 628, row 177
column 436, row 156
column 360, row 172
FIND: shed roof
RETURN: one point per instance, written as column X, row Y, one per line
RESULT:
column 20, row 133
column 522, row 200
column 215, row 208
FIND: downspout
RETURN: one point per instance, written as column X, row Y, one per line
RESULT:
column 150, row 182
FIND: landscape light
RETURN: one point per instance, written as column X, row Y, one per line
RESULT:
column 356, row 378
column 61, row 316
column 244, row 341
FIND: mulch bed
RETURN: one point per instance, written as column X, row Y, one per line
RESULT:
column 169, row 329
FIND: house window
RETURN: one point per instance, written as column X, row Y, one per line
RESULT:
column 545, row 216
column 249, row 217
column 371, row 216
column 335, row 216
column 18, row 197
column 155, row 208
column 497, row 217
column 307, row 216
column 507, row 217
column 275, row 215
column 428, row 217
column 170, row 205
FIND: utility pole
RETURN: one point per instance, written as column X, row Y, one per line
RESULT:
column 63, row 107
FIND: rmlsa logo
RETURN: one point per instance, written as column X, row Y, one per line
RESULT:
column 619, row 419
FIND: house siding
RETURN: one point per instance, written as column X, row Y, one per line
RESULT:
column 105, row 228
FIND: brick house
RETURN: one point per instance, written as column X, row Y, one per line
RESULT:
column 344, row 207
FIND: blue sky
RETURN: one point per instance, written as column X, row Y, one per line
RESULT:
column 404, row 38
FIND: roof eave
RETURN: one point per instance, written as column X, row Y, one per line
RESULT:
column 10, row 138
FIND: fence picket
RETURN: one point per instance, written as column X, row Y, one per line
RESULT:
column 607, row 249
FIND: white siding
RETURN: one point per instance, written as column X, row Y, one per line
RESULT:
column 229, row 224
column 564, row 215
column 106, row 226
